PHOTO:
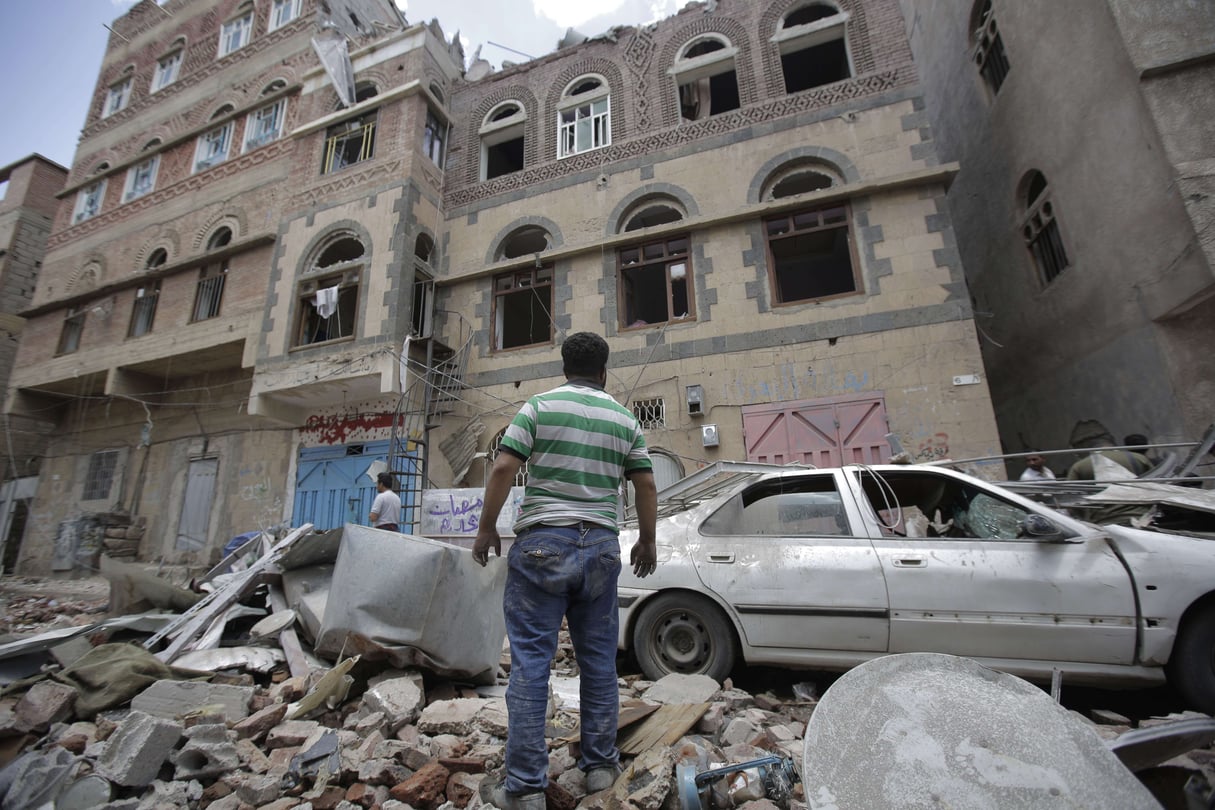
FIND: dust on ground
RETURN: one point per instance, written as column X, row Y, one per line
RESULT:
column 32, row 605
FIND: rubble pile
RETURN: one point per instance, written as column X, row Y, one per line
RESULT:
column 26, row 608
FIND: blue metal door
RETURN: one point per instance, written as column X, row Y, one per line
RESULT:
column 332, row 486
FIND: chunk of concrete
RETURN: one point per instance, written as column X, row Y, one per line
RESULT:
column 426, row 789
column 258, row 724
column 291, row 733
column 174, row 699
column 451, row 716
column 678, row 688
column 210, row 751
column 45, row 703
column 134, row 753
column 644, row 784
column 400, row 700
column 909, row 729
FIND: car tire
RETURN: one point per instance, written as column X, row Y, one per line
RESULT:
column 686, row 634
column 1192, row 665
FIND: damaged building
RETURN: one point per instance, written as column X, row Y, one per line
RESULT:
column 303, row 242
column 1083, row 206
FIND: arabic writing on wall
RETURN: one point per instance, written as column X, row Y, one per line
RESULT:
column 457, row 512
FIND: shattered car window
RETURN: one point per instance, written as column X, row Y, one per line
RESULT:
column 806, row 507
column 928, row 505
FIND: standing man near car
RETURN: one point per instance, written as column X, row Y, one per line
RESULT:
column 386, row 508
column 580, row 445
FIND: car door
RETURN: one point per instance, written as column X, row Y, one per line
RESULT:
column 783, row 553
column 978, row 590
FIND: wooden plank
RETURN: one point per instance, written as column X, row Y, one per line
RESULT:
column 663, row 727
column 288, row 639
column 631, row 712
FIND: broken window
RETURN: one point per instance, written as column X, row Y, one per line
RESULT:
column 88, row 201
column 655, row 283
column 158, row 258
column 117, row 97
column 809, row 506
column 166, row 70
column 705, row 78
column 502, row 140
column 143, row 313
column 283, row 12
column 73, row 327
column 650, row 413
column 328, row 301
column 141, row 179
column 434, row 137
column 209, row 292
column 523, row 305
column 810, row 255
column 235, row 33
column 929, row 505
column 349, row 142
column 525, row 240
column 651, row 214
column 212, row 148
column 100, row 475
column 584, row 116
column 423, row 286
column 813, row 45
column 265, row 124
column 989, row 47
column 1041, row 230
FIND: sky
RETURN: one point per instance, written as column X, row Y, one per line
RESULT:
column 51, row 50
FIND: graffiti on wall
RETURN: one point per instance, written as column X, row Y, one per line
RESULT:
column 933, row 448
column 457, row 512
column 338, row 428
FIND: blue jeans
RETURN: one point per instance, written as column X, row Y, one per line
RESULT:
column 555, row 572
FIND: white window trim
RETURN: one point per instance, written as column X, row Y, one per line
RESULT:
column 800, row 37
column 246, row 22
column 218, row 157
column 159, row 80
column 250, row 120
column 129, row 192
column 588, row 98
column 702, row 67
column 493, row 133
column 293, row 7
column 80, row 213
column 120, row 91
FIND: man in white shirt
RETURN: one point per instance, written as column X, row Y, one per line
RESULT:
column 1036, row 469
column 386, row 508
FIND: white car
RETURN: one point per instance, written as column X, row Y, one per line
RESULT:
column 826, row 568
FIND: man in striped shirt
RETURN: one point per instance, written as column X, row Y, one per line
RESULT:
column 579, row 445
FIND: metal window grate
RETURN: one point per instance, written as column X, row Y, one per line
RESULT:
column 100, row 475
column 651, row 413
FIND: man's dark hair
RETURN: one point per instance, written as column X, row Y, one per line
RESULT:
column 1135, row 440
column 584, row 354
column 385, row 479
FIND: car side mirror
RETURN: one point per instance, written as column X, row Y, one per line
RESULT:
column 1040, row 527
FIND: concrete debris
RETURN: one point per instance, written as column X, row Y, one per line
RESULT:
column 363, row 731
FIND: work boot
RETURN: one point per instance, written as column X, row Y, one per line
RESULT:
column 493, row 792
column 598, row 779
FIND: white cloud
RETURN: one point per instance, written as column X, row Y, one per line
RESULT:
column 571, row 15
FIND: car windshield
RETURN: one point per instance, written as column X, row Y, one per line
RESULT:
column 925, row 504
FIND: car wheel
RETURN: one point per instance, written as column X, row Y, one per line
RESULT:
column 1192, row 665
column 684, row 633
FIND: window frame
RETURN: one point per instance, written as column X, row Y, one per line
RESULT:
column 536, row 277
column 118, row 96
column 349, row 277
column 1043, row 237
column 368, row 124
column 103, row 464
column 668, row 260
column 495, row 132
column 798, row 38
column 691, row 70
column 143, row 309
column 130, row 190
column 252, row 120
column 71, row 332
column 774, row 286
column 276, row 7
column 600, row 123
column 434, row 138
column 217, row 157
column 162, row 77
column 988, row 51
column 83, row 210
column 245, row 23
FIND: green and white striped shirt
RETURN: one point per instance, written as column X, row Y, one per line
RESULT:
column 579, row 444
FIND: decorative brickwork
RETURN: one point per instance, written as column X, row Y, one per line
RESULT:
column 687, row 132
column 857, row 33
column 346, row 180
column 620, row 98
column 532, row 131
column 638, row 54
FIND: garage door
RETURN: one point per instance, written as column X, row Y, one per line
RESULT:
column 827, row 432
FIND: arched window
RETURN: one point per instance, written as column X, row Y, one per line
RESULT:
column 328, row 297
column 169, row 65
column 813, row 44
column 524, row 241
column 156, row 259
column 221, row 238
column 988, row 47
column 213, row 146
column 584, row 116
column 209, row 293
column 423, row 246
column 1040, row 229
column 800, row 177
column 651, row 213
column 503, row 134
column 705, row 78
column 237, row 31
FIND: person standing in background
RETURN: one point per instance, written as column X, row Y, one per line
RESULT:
column 386, row 508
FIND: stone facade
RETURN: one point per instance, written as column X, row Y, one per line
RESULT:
column 222, row 424
column 1110, row 102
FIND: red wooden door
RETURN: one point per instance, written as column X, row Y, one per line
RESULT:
column 827, row 432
